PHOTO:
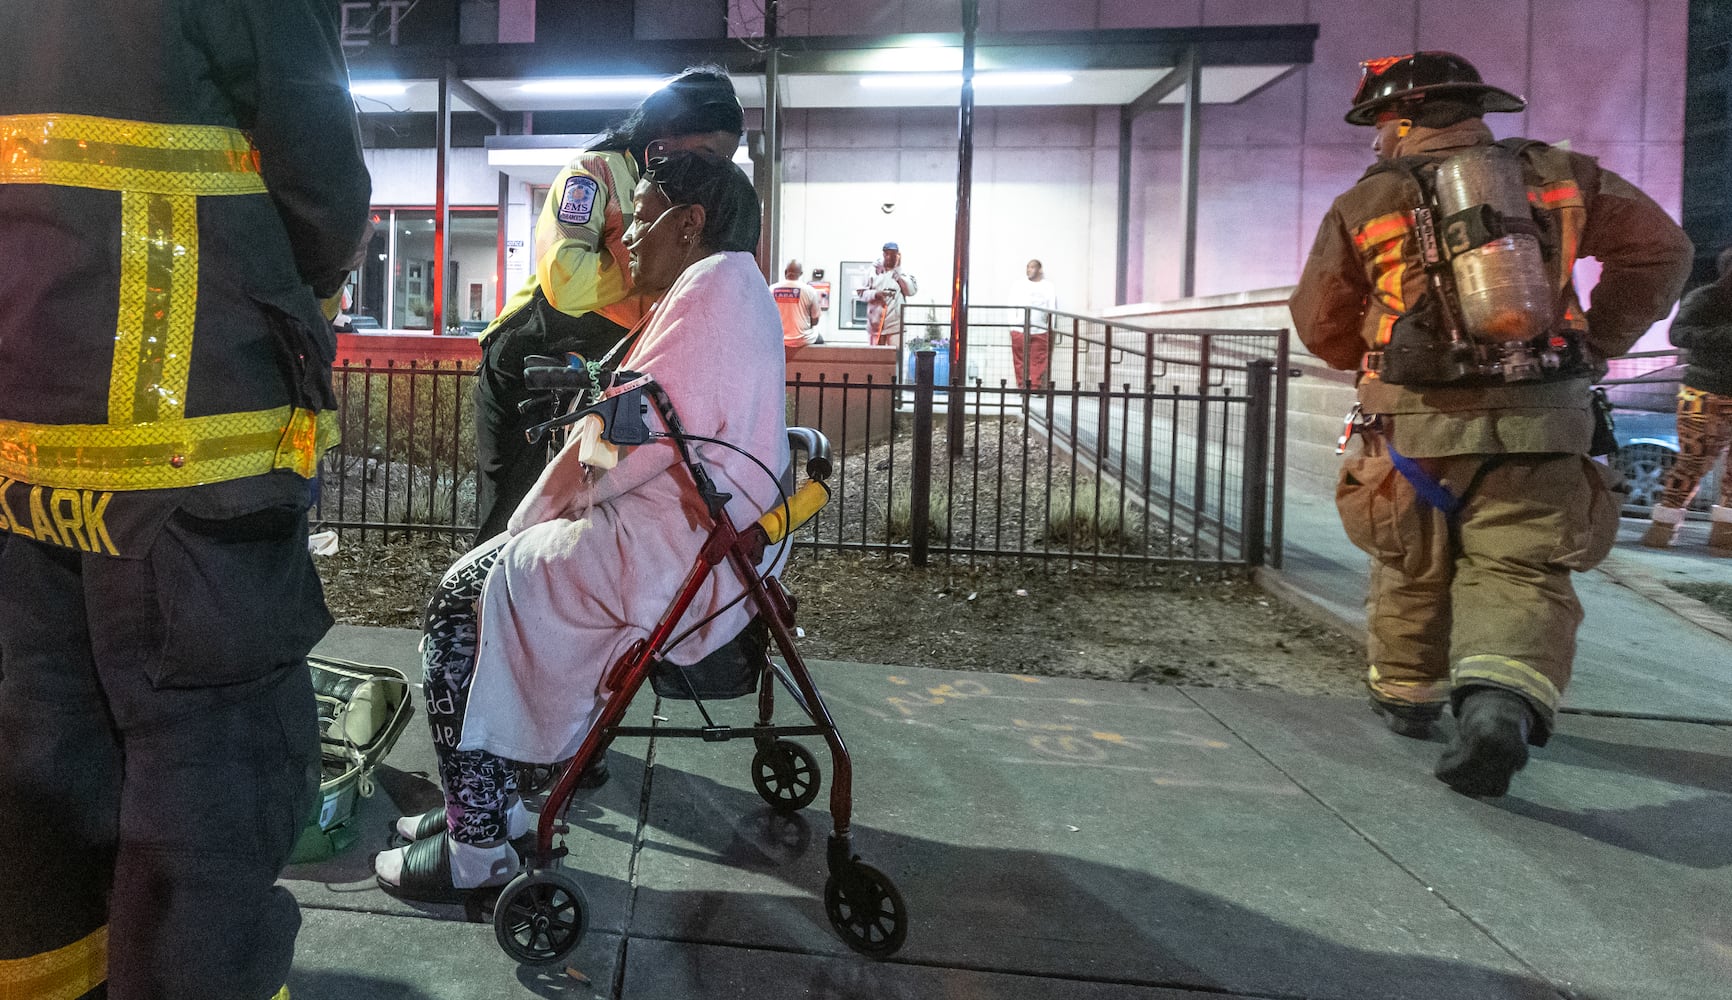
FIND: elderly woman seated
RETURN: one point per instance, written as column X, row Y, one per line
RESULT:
column 521, row 630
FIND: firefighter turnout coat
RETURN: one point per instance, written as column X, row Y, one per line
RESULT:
column 179, row 183
column 1365, row 270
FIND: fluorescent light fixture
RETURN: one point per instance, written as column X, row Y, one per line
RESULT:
column 953, row 81
column 595, row 85
column 539, row 156
column 922, row 56
column 378, row 88
column 559, row 156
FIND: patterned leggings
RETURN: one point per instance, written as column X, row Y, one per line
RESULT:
column 1704, row 431
column 477, row 784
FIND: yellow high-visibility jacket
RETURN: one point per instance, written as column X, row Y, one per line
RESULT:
column 580, row 256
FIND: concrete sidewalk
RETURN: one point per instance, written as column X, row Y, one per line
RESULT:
column 1073, row 839
column 1643, row 648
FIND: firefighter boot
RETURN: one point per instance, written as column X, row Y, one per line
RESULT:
column 1663, row 524
column 1720, row 530
column 1415, row 720
column 1490, row 744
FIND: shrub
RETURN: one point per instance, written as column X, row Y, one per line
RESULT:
column 900, row 527
column 1091, row 515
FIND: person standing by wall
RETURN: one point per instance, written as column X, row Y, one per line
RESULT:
column 1703, row 327
column 884, row 295
column 801, row 307
column 181, row 183
column 1472, row 488
column 1031, row 346
column 579, row 299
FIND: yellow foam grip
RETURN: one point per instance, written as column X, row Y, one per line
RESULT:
column 804, row 505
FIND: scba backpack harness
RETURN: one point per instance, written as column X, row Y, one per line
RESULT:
column 1491, row 314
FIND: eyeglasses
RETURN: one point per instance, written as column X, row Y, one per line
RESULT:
column 635, row 232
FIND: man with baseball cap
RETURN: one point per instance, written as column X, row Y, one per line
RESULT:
column 884, row 294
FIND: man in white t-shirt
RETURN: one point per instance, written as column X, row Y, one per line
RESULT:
column 884, row 296
column 800, row 305
column 1030, row 347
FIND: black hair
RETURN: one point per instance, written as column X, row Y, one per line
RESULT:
column 699, row 100
column 1723, row 264
column 731, row 213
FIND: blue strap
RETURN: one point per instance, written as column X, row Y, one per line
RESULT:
column 1431, row 492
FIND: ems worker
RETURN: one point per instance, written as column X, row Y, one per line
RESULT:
column 579, row 299
column 884, row 296
column 801, row 307
column 1471, row 487
column 180, row 184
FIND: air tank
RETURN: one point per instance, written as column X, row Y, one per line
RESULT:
column 1503, row 288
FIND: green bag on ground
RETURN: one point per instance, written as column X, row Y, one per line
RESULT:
column 363, row 708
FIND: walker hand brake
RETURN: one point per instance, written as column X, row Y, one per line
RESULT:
column 622, row 417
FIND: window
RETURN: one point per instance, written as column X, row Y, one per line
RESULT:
column 396, row 281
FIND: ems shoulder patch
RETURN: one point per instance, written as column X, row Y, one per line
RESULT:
column 577, row 202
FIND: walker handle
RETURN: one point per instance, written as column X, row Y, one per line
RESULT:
column 817, row 448
column 804, row 505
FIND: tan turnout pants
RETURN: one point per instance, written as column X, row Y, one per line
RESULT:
column 1489, row 599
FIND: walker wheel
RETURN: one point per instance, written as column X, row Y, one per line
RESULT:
column 866, row 910
column 786, row 775
column 540, row 917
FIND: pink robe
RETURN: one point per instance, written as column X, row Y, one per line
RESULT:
column 596, row 558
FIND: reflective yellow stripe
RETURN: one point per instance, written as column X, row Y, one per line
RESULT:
column 1558, row 194
column 114, row 155
column 148, row 443
column 166, row 455
column 1512, row 674
column 282, row 994
column 1392, row 225
column 158, row 300
column 61, row 974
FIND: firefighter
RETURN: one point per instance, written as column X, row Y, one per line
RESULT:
column 1444, row 278
column 579, row 299
column 180, row 183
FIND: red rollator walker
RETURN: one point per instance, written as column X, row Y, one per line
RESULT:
column 542, row 914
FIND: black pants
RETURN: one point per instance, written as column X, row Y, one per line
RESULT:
column 158, row 756
column 507, row 464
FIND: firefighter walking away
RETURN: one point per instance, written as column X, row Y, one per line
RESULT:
column 1444, row 278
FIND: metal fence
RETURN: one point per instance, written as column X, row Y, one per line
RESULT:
column 406, row 461
column 1166, row 423
column 1177, row 459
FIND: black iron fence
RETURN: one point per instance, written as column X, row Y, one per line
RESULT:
column 406, row 461
column 1177, row 460
column 1183, row 456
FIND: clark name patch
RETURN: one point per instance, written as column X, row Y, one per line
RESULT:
column 71, row 519
column 577, row 202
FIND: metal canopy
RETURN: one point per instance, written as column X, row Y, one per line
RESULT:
column 1108, row 67
column 1136, row 70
